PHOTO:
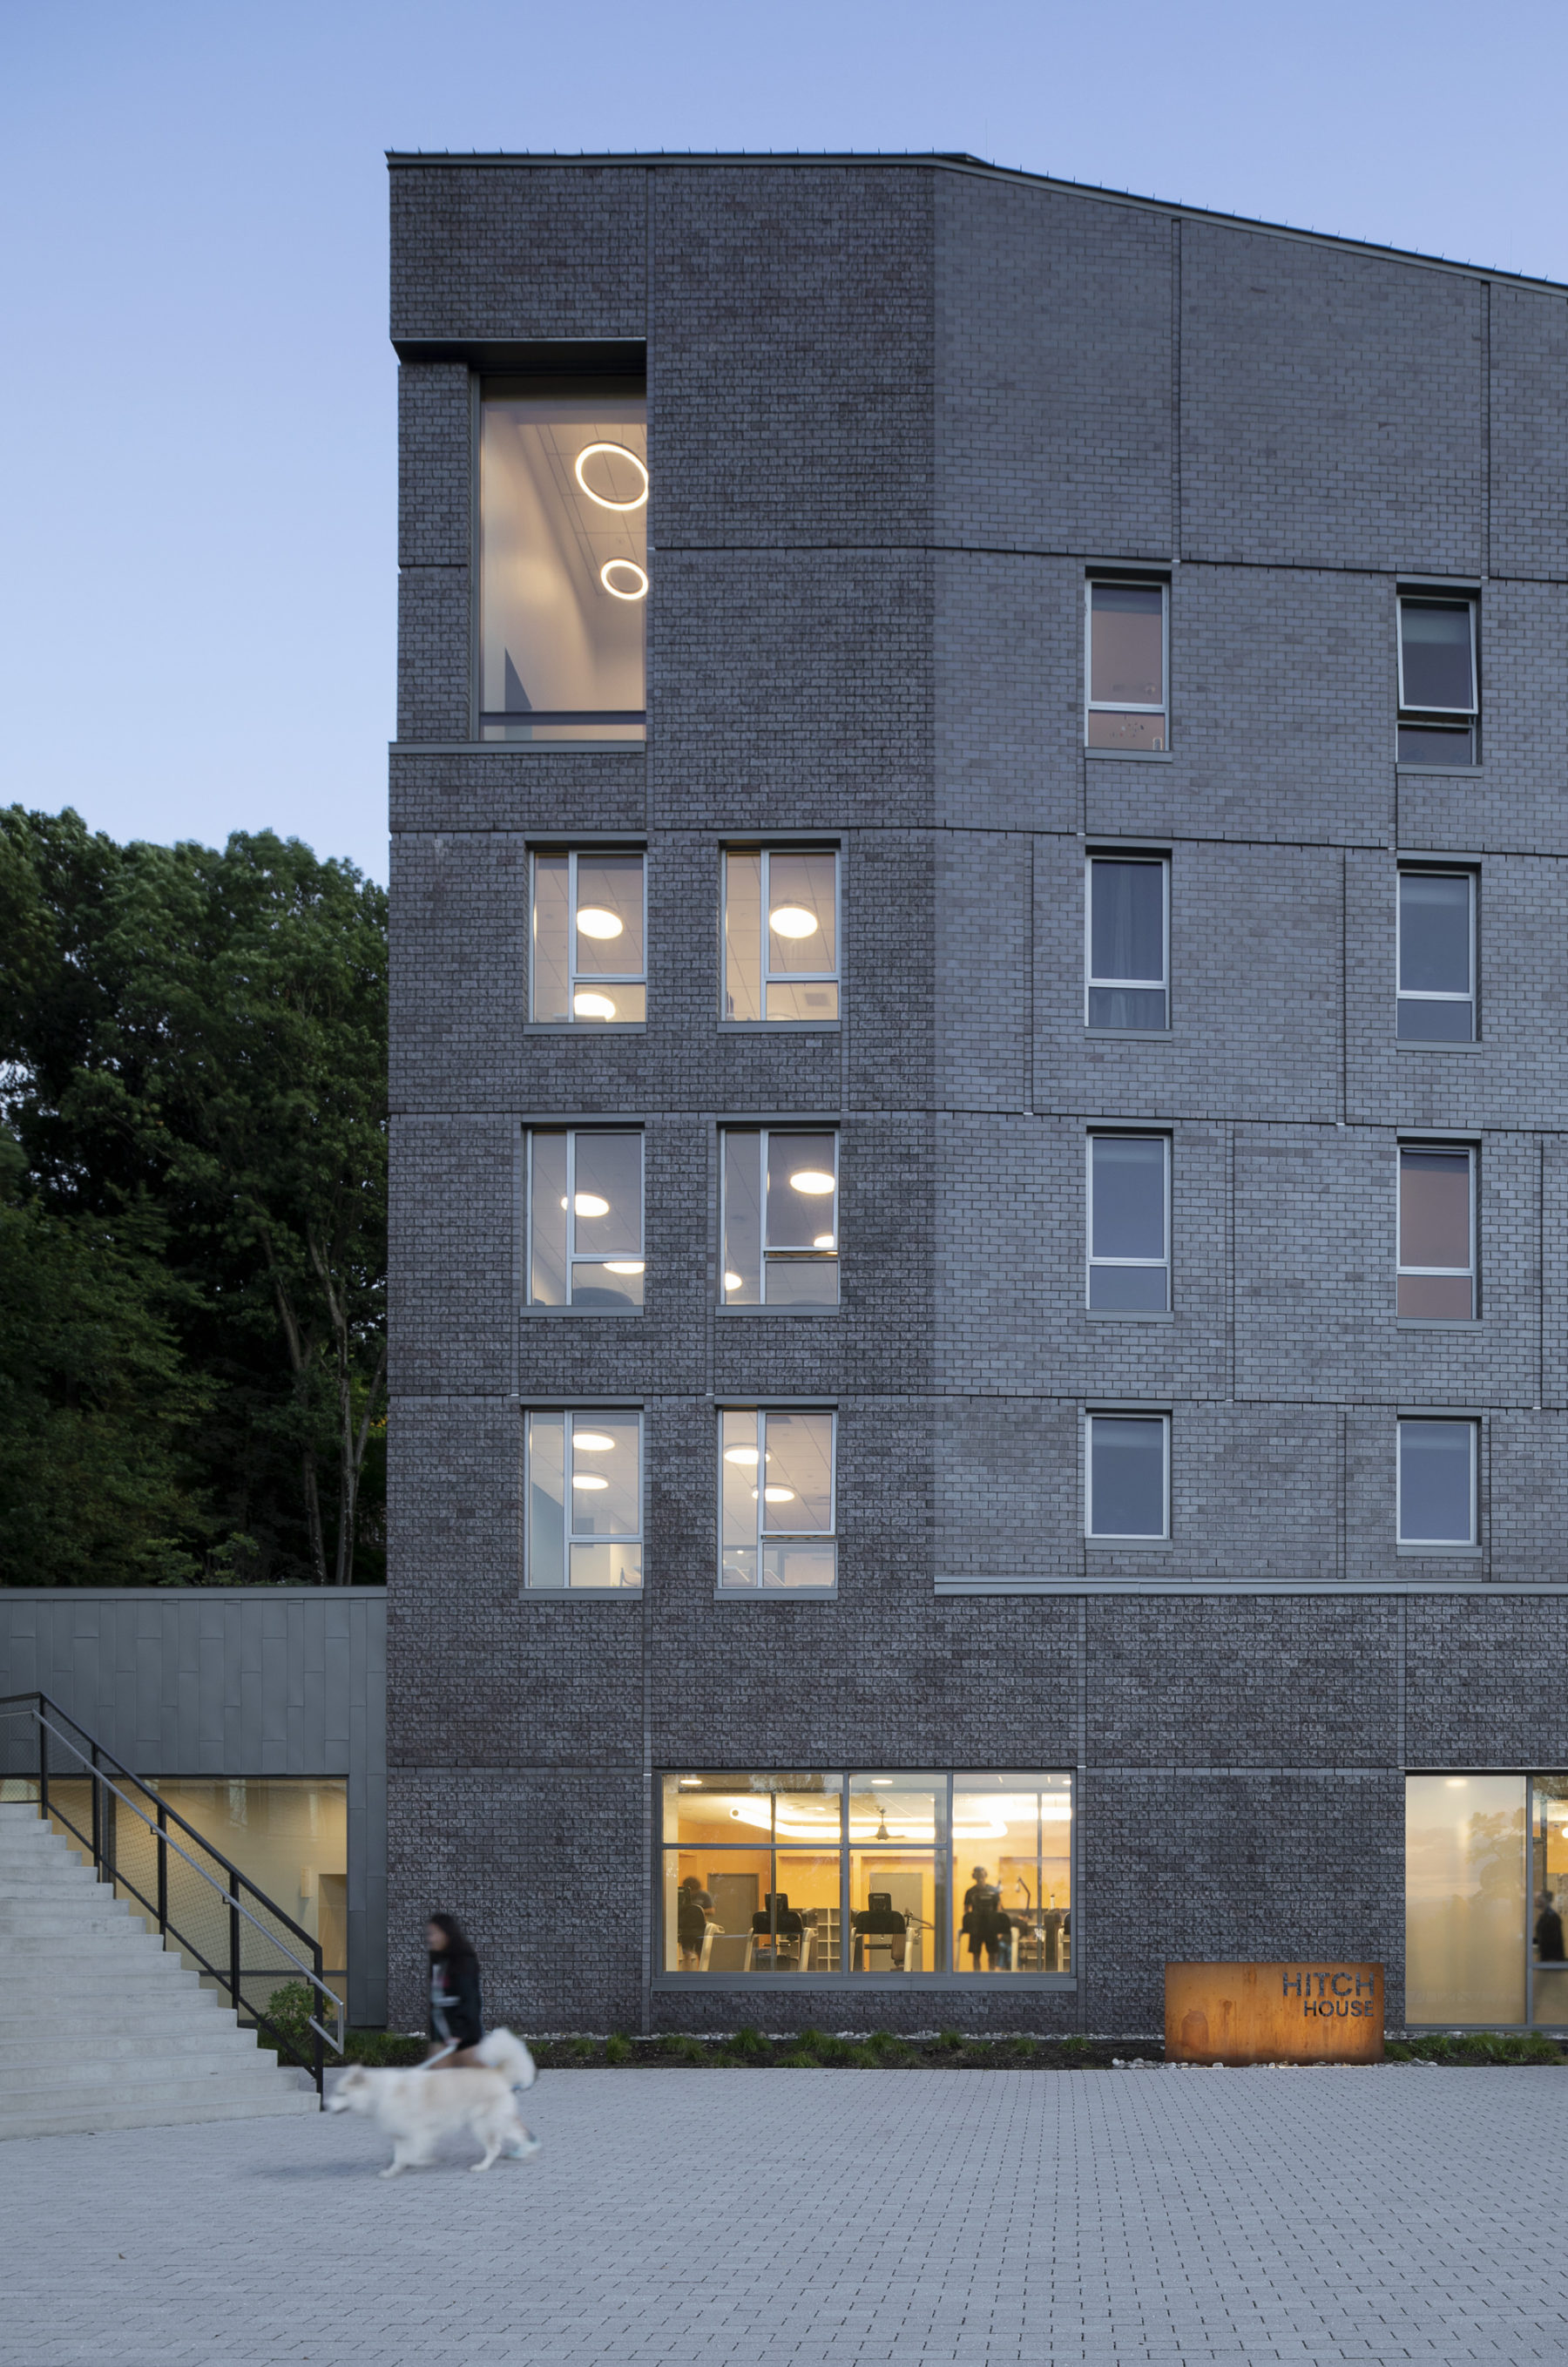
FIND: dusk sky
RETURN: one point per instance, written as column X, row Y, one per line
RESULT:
column 196, row 395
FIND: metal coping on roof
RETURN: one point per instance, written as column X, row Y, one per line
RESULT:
column 956, row 161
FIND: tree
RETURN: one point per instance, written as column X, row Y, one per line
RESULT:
column 201, row 1036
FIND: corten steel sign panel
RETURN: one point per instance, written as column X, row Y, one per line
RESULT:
column 1273, row 2014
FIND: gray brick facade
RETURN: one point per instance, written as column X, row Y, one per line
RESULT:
column 896, row 407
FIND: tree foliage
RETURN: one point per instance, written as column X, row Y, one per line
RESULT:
column 193, row 1050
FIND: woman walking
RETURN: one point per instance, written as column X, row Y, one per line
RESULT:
column 456, row 2024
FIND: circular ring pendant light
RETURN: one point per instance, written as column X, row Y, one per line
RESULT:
column 621, row 453
column 638, row 590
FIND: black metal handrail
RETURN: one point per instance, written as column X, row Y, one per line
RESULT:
column 96, row 1764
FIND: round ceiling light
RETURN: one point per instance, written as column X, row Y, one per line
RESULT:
column 588, row 1479
column 791, row 921
column 639, row 587
column 592, row 1006
column 604, row 500
column 594, row 1441
column 747, row 1454
column 623, row 1265
column 593, row 921
column 778, row 1495
column 589, row 1203
column 823, row 1241
column 811, row 1180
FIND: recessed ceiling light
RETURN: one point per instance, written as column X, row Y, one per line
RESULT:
column 623, row 1265
column 747, row 1454
column 812, row 1180
column 589, row 1203
column 595, row 922
column 823, row 1241
column 732, row 1282
column 589, row 1479
column 593, row 1441
column 592, row 1006
column 791, row 921
column 778, row 1495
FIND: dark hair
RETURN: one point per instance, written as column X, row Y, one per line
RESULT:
column 457, row 1941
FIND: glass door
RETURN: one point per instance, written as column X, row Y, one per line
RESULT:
column 1549, row 1901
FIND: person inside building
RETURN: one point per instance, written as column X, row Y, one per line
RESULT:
column 984, row 1924
column 1548, row 1931
column 456, row 2024
column 693, row 1909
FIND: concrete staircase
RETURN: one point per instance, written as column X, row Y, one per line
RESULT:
column 100, row 2026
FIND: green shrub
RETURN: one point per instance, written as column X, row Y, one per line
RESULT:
column 950, row 2041
column 582, row 2049
column 834, row 2051
column 619, row 2048
column 810, row 2041
column 1025, row 2048
column 752, row 2043
column 1075, row 2047
column 681, row 2047
column 799, row 2058
column 382, row 2050
column 289, row 2010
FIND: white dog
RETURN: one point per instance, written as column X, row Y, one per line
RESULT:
column 417, row 2108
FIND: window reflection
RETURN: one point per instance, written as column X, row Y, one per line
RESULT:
column 588, row 957
column 776, row 1500
column 584, row 1495
column 563, row 562
column 781, row 935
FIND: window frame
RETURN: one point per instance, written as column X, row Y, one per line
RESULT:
column 1125, row 985
column 834, row 1257
column 573, row 977
column 1131, row 1540
column 574, row 1257
column 1470, row 1545
column 759, row 1412
column 1126, row 1134
column 1092, row 705
column 945, row 1856
column 1402, row 994
column 1449, row 717
column 532, row 1589
column 1450, row 1149
column 766, row 848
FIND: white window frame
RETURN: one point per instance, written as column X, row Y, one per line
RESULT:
column 588, row 1415
column 1437, row 1545
column 1409, row 994
column 758, row 1594
column 1436, row 598
column 574, row 977
column 1120, row 705
column 763, row 1135
column 1123, row 1134
column 1124, row 985
column 1122, row 1537
column 1437, row 1272
column 767, row 977
column 573, row 1257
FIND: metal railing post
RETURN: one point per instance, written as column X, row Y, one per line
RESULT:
column 162, row 1847
column 234, row 1947
column 43, row 1766
column 318, row 2063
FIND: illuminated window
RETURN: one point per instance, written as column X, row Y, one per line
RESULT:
column 781, row 1218
column 584, row 1484
column 587, row 935
column 584, row 1218
column 775, row 1476
column 781, row 935
column 563, row 560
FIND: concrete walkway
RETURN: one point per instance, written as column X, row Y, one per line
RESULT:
column 824, row 2216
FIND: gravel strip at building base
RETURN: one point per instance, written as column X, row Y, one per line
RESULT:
column 1402, row 2213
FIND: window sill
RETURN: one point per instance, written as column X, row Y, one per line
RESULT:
column 1131, row 1035
column 582, row 1594
column 1130, row 755
column 779, row 1026
column 1129, row 1315
column 775, row 1594
column 585, row 1027
column 1129, row 1544
column 1437, row 1323
column 849, row 1982
column 1434, row 1043
column 1446, row 772
column 517, row 747
column 579, row 1314
column 1433, row 1553
column 778, row 1313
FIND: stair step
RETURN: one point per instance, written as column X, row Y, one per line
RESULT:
column 149, row 2069
column 83, row 2119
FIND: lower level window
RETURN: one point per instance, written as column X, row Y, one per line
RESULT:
column 815, row 1874
column 583, row 1483
column 1129, row 1477
column 1486, row 1899
column 777, row 1502
column 1437, row 1483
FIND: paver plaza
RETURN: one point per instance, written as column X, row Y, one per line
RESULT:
column 1392, row 2214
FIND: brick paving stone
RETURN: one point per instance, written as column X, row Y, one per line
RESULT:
column 995, row 2219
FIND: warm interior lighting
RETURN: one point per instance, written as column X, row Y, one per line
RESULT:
column 594, row 1441
column 589, row 1203
column 689, row 1782
column 732, row 1282
column 588, row 1479
column 592, row 1006
column 639, row 587
column 823, row 1241
column 791, row 921
column 594, row 922
column 623, row 1265
column 778, row 1495
column 810, row 1179
column 747, row 1454
column 621, row 453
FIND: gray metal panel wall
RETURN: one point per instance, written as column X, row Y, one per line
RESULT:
column 252, row 1681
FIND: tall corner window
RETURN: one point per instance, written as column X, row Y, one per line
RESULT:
column 1436, row 999
column 1129, row 1224
column 780, row 1219
column 588, row 932
column 585, row 1218
column 781, row 935
column 1128, row 1480
column 1436, row 1232
column 563, row 559
column 583, row 1487
column 776, row 1480
column 1439, row 704
column 1127, row 947
column 1126, row 665
column 1436, row 1482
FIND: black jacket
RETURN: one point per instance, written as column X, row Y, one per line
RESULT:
column 462, row 2007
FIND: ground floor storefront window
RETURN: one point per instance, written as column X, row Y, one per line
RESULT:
column 819, row 1874
column 1486, row 1901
